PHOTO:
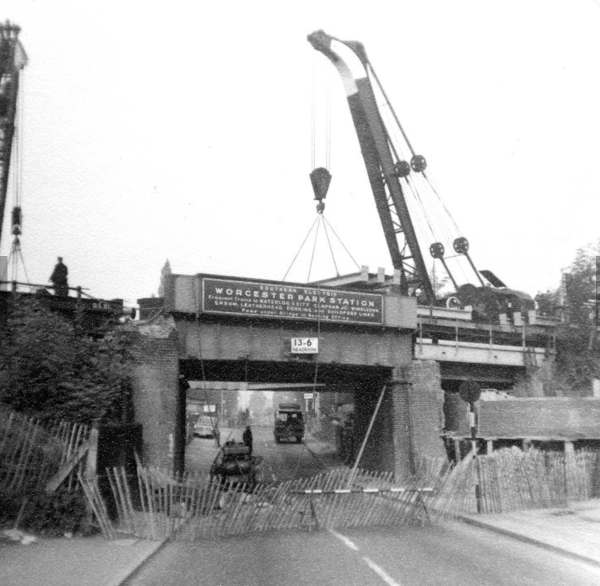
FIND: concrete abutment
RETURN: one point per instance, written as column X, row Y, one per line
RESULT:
column 155, row 389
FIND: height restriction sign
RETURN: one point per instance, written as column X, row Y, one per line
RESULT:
column 305, row 346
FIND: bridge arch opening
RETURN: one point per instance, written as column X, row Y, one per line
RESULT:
column 336, row 408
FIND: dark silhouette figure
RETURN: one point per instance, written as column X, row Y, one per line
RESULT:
column 59, row 279
column 247, row 438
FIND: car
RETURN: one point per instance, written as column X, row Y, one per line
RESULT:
column 234, row 465
column 206, row 426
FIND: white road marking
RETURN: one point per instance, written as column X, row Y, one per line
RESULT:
column 381, row 572
column 377, row 569
column 344, row 540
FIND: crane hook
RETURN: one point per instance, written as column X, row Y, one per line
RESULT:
column 320, row 179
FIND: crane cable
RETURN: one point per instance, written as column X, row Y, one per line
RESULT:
column 337, row 272
column 314, row 115
column 327, row 226
column 417, row 197
column 20, row 137
column 16, row 252
column 429, row 182
column 392, row 145
column 300, row 249
column 328, row 223
column 370, row 69
column 314, row 247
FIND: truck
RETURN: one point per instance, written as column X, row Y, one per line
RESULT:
column 289, row 423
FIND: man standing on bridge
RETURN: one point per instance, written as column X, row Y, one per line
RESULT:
column 247, row 438
column 59, row 279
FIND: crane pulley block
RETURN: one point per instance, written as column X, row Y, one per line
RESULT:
column 320, row 179
column 17, row 220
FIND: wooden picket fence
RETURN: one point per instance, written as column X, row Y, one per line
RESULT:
column 191, row 507
column 512, row 480
column 153, row 504
column 32, row 454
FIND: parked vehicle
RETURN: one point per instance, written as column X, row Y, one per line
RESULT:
column 289, row 423
column 234, row 465
column 206, row 426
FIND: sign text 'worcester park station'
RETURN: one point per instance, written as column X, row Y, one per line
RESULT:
column 288, row 301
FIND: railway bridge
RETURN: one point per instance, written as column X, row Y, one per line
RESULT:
column 222, row 328
column 499, row 354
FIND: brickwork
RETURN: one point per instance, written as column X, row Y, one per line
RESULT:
column 150, row 307
column 539, row 382
column 455, row 411
column 155, row 387
column 379, row 451
column 409, row 424
column 426, row 408
column 398, row 411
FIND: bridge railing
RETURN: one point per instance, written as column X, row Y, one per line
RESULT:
column 19, row 286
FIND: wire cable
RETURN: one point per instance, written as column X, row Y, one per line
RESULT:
column 20, row 252
column 312, row 256
column 337, row 272
column 300, row 249
column 408, row 143
column 417, row 196
column 20, row 136
column 313, row 114
column 327, row 127
column 340, row 241
column 426, row 177
column 404, row 135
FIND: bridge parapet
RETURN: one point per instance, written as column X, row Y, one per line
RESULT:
column 235, row 297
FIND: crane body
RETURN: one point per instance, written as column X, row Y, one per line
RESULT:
column 382, row 169
column 12, row 61
column 385, row 171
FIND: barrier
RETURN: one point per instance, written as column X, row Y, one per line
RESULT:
column 156, row 505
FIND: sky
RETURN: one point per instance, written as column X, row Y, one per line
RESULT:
column 186, row 131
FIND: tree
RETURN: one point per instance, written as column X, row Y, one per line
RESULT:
column 52, row 369
column 548, row 302
column 577, row 357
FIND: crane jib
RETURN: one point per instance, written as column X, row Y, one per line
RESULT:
column 380, row 164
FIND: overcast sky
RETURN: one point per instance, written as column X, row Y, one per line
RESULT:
column 182, row 130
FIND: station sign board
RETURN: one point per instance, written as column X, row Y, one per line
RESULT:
column 267, row 299
column 304, row 345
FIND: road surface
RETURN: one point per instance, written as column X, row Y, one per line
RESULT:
column 450, row 554
column 281, row 461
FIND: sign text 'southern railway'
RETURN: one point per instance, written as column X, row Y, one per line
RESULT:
column 283, row 301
